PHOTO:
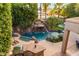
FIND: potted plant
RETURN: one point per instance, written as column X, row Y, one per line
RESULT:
column 16, row 50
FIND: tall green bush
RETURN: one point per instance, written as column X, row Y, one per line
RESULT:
column 53, row 23
column 5, row 28
column 70, row 10
column 23, row 14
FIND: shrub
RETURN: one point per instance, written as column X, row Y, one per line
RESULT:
column 53, row 23
column 23, row 14
column 55, row 37
column 5, row 28
column 16, row 50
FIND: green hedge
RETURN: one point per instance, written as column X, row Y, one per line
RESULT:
column 53, row 23
column 24, row 14
column 5, row 28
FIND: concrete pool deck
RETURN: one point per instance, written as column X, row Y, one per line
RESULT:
column 52, row 49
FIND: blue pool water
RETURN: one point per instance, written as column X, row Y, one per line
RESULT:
column 39, row 35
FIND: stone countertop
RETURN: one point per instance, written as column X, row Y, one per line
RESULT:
column 73, row 20
column 33, row 49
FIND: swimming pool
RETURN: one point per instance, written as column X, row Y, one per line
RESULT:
column 39, row 36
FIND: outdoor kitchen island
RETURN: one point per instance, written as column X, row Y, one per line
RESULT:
column 71, row 25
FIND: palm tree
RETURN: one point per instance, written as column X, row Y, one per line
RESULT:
column 64, row 12
column 57, row 9
column 45, row 7
column 52, row 11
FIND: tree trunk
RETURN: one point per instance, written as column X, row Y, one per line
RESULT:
column 40, row 11
column 45, row 12
column 45, row 15
column 58, row 15
column 58, row 12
